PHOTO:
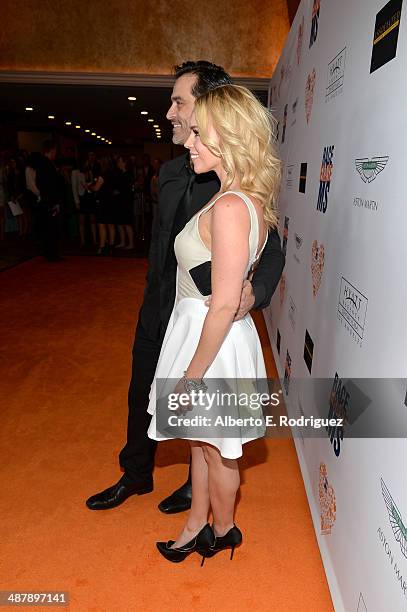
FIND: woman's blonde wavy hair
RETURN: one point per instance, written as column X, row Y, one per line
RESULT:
column 246, row 147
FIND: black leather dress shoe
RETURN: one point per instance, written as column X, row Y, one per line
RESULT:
column 116, row 495
column 179, row 501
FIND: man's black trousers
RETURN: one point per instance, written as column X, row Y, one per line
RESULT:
column 137, row 456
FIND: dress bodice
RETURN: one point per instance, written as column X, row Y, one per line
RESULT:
column 191, row 251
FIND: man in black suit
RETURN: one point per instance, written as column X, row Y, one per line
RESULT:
column 181, row 195
column 49, row 209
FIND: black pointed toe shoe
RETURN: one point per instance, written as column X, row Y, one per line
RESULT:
column 231, row 539
column 201, row 543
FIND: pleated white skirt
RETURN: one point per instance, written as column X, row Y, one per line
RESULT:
column 239, row 358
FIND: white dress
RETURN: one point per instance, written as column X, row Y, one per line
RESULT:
column 238, row 364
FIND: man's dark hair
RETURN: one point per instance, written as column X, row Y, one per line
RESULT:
column 48, row 145
column 208, row 76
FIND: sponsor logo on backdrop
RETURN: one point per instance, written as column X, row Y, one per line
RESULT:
column 301, row 411
column 308, row 351
column 287, row 372
column 338, row 409
column 278, row 341
column 386, row 33
column 317, row 265
column 300, row 36
column 327, row 501
column 325, row 178
column 352, row 309
column 336, row 75
column 289, row 176
column 341, row 407
column 372, row 205
column 273, row 95
column 309, row 93
column 361, row 604
column 292, row 312
column 314, row 22
column 400, row 533
column 396, row 521
column 285, row 235
column 282, row 74
column 282, row 289
column 298, row 240
column 294, row 111
column 284, row 122
column 303, row 177
column 369, row 168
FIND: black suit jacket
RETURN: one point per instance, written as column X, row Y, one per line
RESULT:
column 159, row 294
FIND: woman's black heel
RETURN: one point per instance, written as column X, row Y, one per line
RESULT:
column 201, row 543
column 231, row 539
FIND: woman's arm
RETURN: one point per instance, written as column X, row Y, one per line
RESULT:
column 230, row 227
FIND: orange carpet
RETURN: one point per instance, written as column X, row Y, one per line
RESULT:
column 66, row 336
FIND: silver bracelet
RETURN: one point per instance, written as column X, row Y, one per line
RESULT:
column 193, row 384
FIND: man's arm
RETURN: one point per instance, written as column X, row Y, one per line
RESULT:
column 268, row 272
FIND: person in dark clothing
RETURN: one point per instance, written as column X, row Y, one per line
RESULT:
column 181, row 195
column 124, row 197
column 49, row 186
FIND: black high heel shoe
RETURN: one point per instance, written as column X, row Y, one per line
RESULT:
column 231, row 539
column 201, row 543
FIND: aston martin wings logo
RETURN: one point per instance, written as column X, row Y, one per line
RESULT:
column 396, row 522
column 370, row 168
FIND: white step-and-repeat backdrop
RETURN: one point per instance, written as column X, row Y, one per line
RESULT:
column 339, row 94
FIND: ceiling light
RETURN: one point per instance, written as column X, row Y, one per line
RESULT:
column 29, row 108
column 98, row 136
column 68, row 123
column 143, row 112
column 131, row 98
column 77, row 127
column 87, row 130
column 156, row 125
column 150, row 120
column 93, row 133
column 51, row 116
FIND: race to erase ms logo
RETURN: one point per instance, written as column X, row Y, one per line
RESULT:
column 314, row 23
column 325, row 178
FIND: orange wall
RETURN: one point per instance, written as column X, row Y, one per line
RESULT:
column 142, row 36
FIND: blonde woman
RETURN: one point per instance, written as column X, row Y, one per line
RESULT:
column 232, row 135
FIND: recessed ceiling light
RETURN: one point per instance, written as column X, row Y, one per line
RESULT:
column 77, row 127
column 150, row 120
column 158, row 135
column 156, row 125
column 29, row 108
column 51, row 116
column 93, row 133
column 98, row 137
column 131, row 98
column 87, row 130
column 68, row 122
column 143, row 112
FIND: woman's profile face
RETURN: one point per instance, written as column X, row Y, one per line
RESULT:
column 202, row 158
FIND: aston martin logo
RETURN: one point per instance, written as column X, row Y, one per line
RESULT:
column 396, row 522
column 370, row 168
